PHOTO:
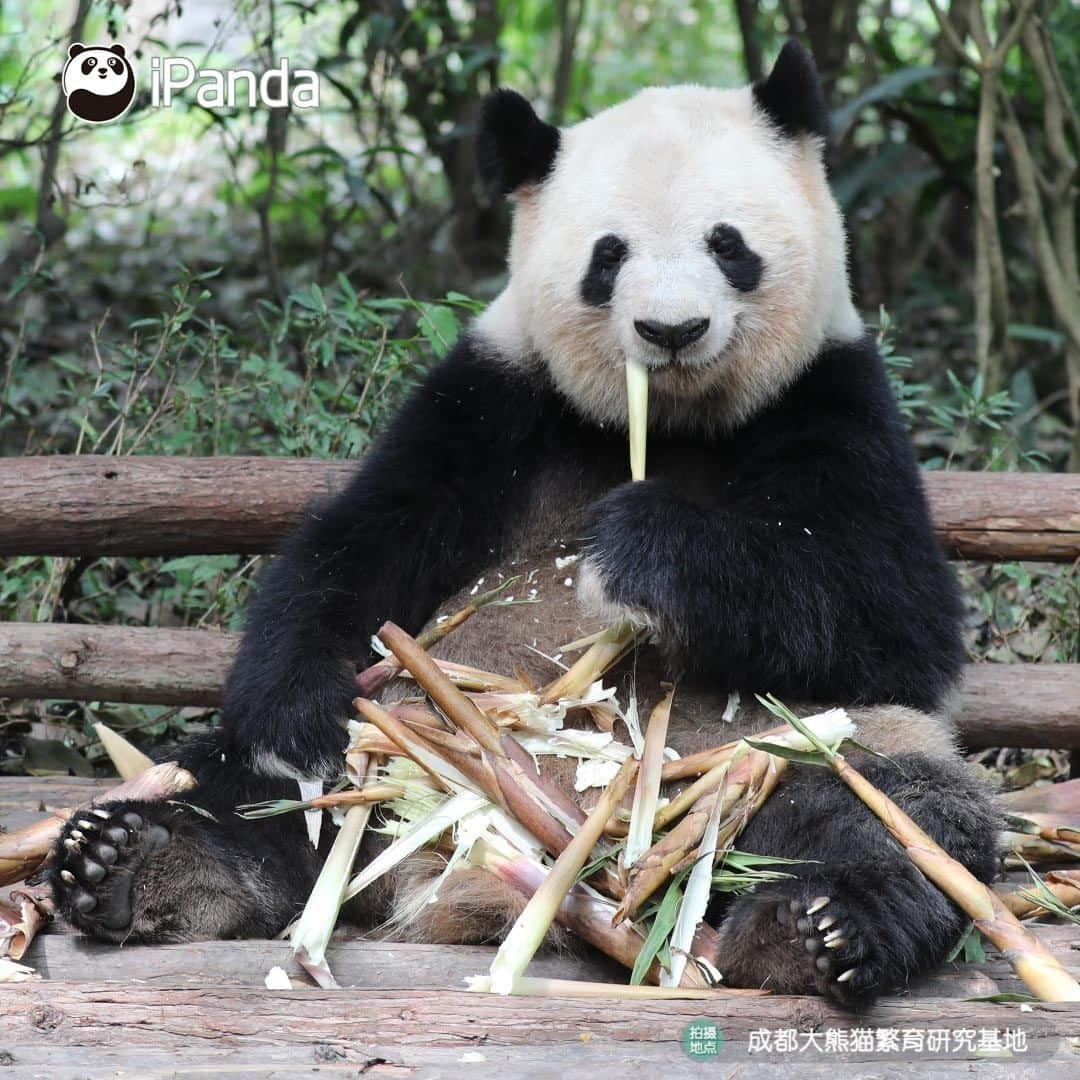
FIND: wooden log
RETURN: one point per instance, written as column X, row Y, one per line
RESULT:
column 999, row 705
column 1020, row 705
column 92, row 505
column 982, row 515
column 114, row 663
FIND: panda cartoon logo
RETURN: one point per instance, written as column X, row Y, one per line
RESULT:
column 98, row 82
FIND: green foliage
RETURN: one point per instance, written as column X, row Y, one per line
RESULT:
column 312, row 377
column 976, row 430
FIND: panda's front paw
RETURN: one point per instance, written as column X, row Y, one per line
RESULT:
column 96, row 861
column 596, row 600
column 803, row 938
column 631, row 567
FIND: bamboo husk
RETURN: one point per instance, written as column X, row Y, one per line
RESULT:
column 22, row 916
column 372, row 793
column 703, row 761
column 372, row 679
column 592, row 663
column 497, row 777
column 461, row 712
column 1023, row 902
column 640, row 828
column 23, row 851
column 520, row 787
column 1040, row 970
column 1020, row 848
column 129, row 760
column 588, row 916
column 311, row 932
column 749, row 772
column 531, row 926
column 463, row 772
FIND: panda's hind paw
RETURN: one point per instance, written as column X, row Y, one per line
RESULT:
column 800, row 939
column 842, row 956
column 96, row 860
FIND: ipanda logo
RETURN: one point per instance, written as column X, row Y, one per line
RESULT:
column 99, row 84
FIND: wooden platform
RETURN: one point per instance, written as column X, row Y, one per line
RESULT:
column 203, row 1010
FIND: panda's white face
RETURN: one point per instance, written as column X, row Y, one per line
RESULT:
column 681, row 229
column 98, row 71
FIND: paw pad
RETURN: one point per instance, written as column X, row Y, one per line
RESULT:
column 95, row 858
column 830, row 935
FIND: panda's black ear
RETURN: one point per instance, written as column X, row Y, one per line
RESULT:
column 75, row 48
column 118, row 49
column 791, row 97
column 514, row 146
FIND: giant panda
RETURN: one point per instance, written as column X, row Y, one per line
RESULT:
column 781, row 543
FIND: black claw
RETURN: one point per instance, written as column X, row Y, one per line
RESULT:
column 92, row 872
column 106, row 854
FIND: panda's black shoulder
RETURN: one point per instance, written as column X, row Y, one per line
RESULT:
column 474, row 401
column 844, row 400
column 849, row 379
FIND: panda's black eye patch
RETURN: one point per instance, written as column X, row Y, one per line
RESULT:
column 114, row 63
column 598, row 284
column 741, row 265
column 89, row 64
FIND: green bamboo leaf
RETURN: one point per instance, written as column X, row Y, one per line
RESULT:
column 807, row 757
column 661, row 928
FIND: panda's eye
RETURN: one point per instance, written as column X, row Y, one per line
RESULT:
column 598, row 285
column 740, row 264
column 726, row 242
column 609, row 252
column 88, row 65
column 114, row 63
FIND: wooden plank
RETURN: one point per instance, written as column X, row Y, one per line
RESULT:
column 999, row 705
column 377, row 1060
column 407, row 966
column 69, row 1017
column 92, row 505
column 23, row 799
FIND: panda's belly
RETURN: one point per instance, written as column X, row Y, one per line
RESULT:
column 527, row 634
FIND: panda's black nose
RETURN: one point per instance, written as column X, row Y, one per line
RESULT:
column 671, row 335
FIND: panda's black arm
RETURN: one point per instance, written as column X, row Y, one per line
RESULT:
column 809, row 568
column 426, row 510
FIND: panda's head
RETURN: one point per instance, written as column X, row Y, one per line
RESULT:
column 99, row 83
column 688, row 227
